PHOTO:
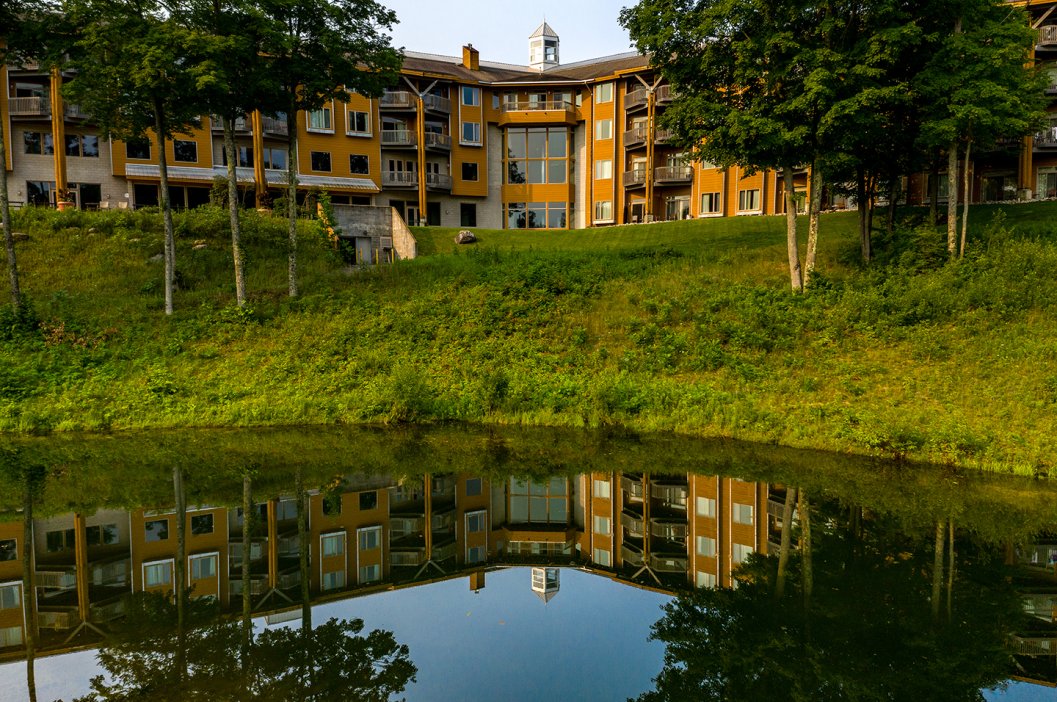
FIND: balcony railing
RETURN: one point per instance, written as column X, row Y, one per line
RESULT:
column 39, row 106
column 438, row 180
column 74, row 111
column 1046, row 139
column 1048, row 35
column 400, row 179
column 665, row 93
column 662, row 135
column 438, row 141
column 635, row 136
column 241, row 123
column 407, row 558
column 668, row 563
column 537, row 106
column 57, row 620
column 61, row 578
column 396, row 100
column 106, row 611
column 634, row 177
column 632, row 523
column 673, row 174
column 632, row 485
column 272, row 125
column 444, row 551
column 636, row 98
column 436, row 103
column 399, row 137
column 632, row 555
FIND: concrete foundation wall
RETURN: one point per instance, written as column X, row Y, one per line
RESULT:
column 382, row 225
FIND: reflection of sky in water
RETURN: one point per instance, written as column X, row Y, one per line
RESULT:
column 587, row 643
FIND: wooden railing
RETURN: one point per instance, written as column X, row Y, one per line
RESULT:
column 438, row 141
column 436, row 103
column 537, row 106
column 673, row 173
column 39, row 106
column 400, row 178
column 636, row 176
column 438, row 180
column 399, row 137
column 396, row 99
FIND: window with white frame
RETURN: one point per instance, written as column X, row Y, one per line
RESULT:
column 742, row 514
column 602, row 489
column 359, row 123
column 473, row 485
column 604, row 93
column 604, row 129
column 739, row 552
column 332, row 544
column 706, row 507
column 602, row 525
column 604, row 211
column 706, row 546
column 471, row 96
column 157, row 574
column 710, row 203
column 185, row 151
column 8, row 550
column 10, row 636
column 603, row 169
column 321, row 120
column 10, row 596
column 334, row 580
column 601, row 557
column 370, row 573
column 705, row 579
column 749, row 200
column 369, row 538
column 471, row 133
column 475, row 522
column 476, row 554
column 203, row 567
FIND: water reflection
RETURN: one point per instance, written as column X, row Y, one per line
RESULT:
column 801, row 593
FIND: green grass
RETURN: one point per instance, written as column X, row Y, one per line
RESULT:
column 685, row 327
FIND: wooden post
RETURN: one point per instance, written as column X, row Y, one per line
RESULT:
column 58, row 137
column 260, row 179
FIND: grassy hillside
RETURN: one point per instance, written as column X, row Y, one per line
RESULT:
column 685, row 327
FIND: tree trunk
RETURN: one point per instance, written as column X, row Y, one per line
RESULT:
column 29, row 585
column 806, row 572
column 180, row 573
column 306, row 596
column 813, row 207
column 893, row 196
column 861, row 205
column 233, row 211
column 166, row 206
column 291, row 196
column 937, row 569
column 871, row 192
column 968, row 196
column 783, row 553
column 795, row 275
column 247, row 594
column 950, row 571
column 952, row 199
column 934, row 192
column 5, row 216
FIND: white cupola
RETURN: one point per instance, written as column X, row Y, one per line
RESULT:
column 543, row 47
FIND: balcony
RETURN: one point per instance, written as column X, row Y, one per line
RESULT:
column 636, row 99
column 631, row 484
column 674, row 174
column 665, row 94
column 396, row 100
column 632, row 555
column 436, row 103
column 661, row 135
column 399, row 139
column 444, row 551
column 1046, row 139
column 38, row 106
column 58, row 619
column 258, row 585
column 438, row 181
column 635, row 178
column 443, row 521
column 632, row 524
column 636, row 136
column 668, row 563
column 288, row 579
column 74, row 111
column 669, row 530
column 438, row 142
column 241, row 123
column 272, row 125
column 1048, row 36
column 537, row 112
column 399, row 179
column 414, row 557
column 110, row 610
column 59, row 579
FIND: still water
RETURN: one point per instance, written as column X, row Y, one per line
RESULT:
column 452, row 564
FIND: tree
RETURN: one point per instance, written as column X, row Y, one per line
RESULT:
column 318, row 51
column 134, row 75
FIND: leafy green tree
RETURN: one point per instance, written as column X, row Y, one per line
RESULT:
column 318, row 51
column 134, row 75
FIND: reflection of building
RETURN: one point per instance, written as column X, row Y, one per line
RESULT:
column 545, row 583
column 1035, row 646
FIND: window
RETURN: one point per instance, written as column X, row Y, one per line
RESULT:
column 203, row 567
column 471, row 96
column 706, row 579
column 370, row 573
column 137, row 148
column 157, row 574
column 706, row 507
column 710, row 203
column 321, row 161
column 742, row 514
column 603, row 169
column 601, row 557
column 60, row 540
column 89, row 146
column 369, row 538
column 10, row 636
column 359, row 123
column 475, row 522
column 706, row 546
column 467, row 214
column 739, row 552
column 320, row 120
column 105, row 535
column 748, row 200
column 185, row 151
column 538, row 502
column 537, row 155
column 332, row 544
column 38, row 143
column 471, row 133
column 8, row 550
column 156, row 530
column 604, row 129
column 469, row 171
column 368, row 500
column 359, row 165
column 245, row 156
column 476, row 554
column 332, row 504
column 10, row 597
column 202, row 524
column 473, row 487
column 334, row 580
column 274, row 158
column 602, row 525
column 604, row 93
column 602, row 488
column 536, row 215
column 73, row 145
column 604, row 211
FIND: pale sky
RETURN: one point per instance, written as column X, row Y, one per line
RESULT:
column 499, row 29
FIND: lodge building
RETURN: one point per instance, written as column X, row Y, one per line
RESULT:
column 460, row 142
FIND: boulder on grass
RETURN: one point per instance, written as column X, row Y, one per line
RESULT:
column 465, row 236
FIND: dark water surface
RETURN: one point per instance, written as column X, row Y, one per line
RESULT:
column 452, row 564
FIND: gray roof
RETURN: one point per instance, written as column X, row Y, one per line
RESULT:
column 544, row 30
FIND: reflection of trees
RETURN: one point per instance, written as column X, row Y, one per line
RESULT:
column 144, row 660
column 866, row 633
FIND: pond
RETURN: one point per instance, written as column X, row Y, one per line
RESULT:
column 450, row 563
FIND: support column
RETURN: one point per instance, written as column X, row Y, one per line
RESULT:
column 651, row 129
column 260, row 180
column 421, row 132
column 58, row 137
column 273, row 543
column 80, row 540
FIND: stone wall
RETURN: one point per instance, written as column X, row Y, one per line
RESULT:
column 389, row 235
